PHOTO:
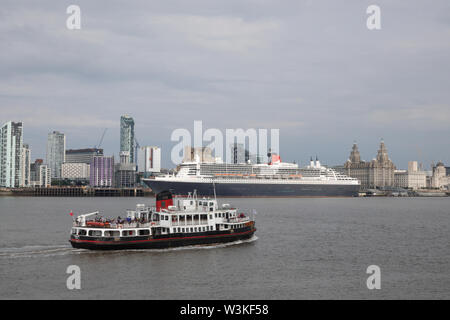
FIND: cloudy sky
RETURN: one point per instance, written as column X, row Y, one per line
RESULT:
column 310, row 68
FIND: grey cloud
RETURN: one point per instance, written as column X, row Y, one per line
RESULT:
column 310, row 68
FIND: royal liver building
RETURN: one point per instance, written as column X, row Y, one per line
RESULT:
column 377, row 173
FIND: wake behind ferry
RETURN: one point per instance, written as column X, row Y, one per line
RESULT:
column 272, row 179
column 175, row 222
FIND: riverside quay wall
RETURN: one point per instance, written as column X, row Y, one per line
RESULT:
column 78, row 192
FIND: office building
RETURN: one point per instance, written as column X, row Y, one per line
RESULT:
column 374, row 174
column 149, row 160
column 413, row 178
column 56, row 155
column 439, row 178
column 201, row 154
column 11, row 147
column 125, row 172
column 82, row 155
column 75, row 171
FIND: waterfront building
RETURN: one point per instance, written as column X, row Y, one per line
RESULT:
column 45, row 176
column 127, row 140
column 11, row 147
column 149, row 160
column 25, row 164
column 439, row 178
column 34, row 172
column 75, row 171
column 125, row 172
column 374, row 174
column 82, row 155
column 56, row 155
column 40, row 174
column 102, row 171
column 201, row 154
column 238, row 153
column 413, row 178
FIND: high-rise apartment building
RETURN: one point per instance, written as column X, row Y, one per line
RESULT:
column 11, row 145
column 56, row 152
column 102, row 171
column 25, row 163
column 127, row 142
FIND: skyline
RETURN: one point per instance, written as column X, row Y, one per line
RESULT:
column 302, row 163
column 312, row 70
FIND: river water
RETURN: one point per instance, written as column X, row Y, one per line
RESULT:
column 303, row 249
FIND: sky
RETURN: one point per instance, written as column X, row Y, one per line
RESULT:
column 311, row 69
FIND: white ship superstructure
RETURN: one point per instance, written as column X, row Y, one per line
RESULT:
column 244, row 179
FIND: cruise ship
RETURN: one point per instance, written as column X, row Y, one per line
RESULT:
column 272, row 179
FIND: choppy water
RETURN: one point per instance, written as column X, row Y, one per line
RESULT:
column 303, row 249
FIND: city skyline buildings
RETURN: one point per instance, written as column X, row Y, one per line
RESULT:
column 11, row 148
column 127, row 138
column 56, row 152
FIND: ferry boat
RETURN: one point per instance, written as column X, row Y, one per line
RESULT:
column 174, row 222
column 272, row 179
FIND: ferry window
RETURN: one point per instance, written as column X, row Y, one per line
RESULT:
column 192, row 202
column 74, row 231
column 182, row 229
column 81, row 232
column 110, row 233
column 192, row 230
column 95, row 233
column 128, row 233
column 211, row 203
column 199, row 203
column 210, row 216
column 225, row 226
column 144, row 232
column 215, row 215
column 211, row 209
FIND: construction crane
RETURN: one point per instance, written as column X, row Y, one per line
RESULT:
column 136, row 150
column 101, row 139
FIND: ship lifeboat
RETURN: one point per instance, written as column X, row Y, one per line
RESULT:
column 97, row 224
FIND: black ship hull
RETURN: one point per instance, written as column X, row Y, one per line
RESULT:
column 254, row 189
column 162, row 241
